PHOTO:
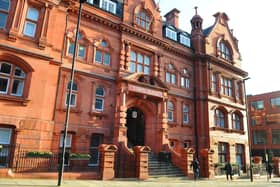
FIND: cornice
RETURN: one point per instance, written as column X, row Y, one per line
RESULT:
column 227, row 66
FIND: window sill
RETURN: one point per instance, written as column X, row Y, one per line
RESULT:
column 221, row 129
column 21, row 100
column 97, row 113
column 237, row 131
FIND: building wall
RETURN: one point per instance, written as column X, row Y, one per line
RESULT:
column 265, row 119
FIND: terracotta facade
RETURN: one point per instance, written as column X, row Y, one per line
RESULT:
column 139, row 81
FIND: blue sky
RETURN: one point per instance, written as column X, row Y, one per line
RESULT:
column 255, row 24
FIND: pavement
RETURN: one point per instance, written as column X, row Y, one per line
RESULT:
column 153, row 182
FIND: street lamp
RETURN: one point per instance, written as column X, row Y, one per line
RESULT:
column 249, row 132
column 62, row 160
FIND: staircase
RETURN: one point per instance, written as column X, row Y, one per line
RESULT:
column 160, row 167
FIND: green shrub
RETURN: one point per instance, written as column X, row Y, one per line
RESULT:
column 38, row 154
column 79, row 156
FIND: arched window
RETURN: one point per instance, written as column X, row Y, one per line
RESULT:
column 81, row 48
column 170, row 113
column 140, row 62
column 12, row 79
column 224, row 51
column 170, row 74
column 102, row 54
column 220, row 120
column 74, row 94
column 99, row 99
column 143, row 20
column 185, row 114
column 237, row 121
column 4, row 12
column 185, row 80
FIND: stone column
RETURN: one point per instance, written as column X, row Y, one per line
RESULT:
column 43, row 36
column 122, row 56
column 107, row 161
column 142, row 161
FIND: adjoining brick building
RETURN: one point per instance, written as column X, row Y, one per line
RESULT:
column 264, row 117
column 139, row 81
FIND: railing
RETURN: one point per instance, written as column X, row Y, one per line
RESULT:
column 6, row 155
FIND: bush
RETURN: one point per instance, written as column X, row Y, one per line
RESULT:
column 38, row 154
column 79, row 156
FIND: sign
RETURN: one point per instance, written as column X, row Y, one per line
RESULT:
column 146, row 91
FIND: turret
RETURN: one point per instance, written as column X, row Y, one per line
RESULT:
column 197, row 38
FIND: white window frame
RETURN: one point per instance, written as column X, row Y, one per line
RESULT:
column 186, row 113
column 99, row 97
column 170, row 111
column 108, row 6
column 169, row 33
column 8, row 84
column 33, row 31
column 185, row 40
column 21, row 89
column 8, row 141
column 68, row 140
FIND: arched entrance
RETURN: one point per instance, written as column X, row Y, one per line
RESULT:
column 135, row 123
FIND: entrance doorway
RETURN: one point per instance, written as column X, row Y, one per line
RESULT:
column 135, row 127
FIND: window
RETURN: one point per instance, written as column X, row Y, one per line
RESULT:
column 236, row 122
column 185, row 81
column 101, row 56
column 220, row 119
column 275, row 136
column 95, row 141
column 185, row 114
column 240, row 156
column 253, row 121
column 275, row 102
column 222, row 152
column 99, row 99
column 31, row 20
column 259, row 137
column 68, row 140
column 257, row 105
column 238, row 91
column 139, row 63
column 170, row 113
column 185, row 40
column 214, row 86
column 73, row 95
column 81, row 49
column 4, row 11
column 5, row 136
column 170, row 76
column 108, row 6
column 12, row 79
column 143, row 20
column 169, row 33
column 224, row 51
column 226, row 86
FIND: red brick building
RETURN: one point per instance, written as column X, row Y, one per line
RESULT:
column 264, row 115
column 139, row 81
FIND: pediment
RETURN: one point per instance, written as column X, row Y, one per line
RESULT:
column 149, row 80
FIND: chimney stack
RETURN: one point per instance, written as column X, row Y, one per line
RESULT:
column 172, row 17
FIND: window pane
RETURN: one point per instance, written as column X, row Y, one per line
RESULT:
column 173, row 79
column 167, row 77
column 5, row 68
column 107, row 59
column 82, row 51
column 68, row 140
column 5, row 4
column 99, row 104
column 19, row 72
column 146, row 60
column 4, row 83
column 98, row 57
column 132, row 67
column 99, row 91
column 276, row 136
column 5, row 135
column 29, row 29
column 17, row 88
column 3, row 20
column 71, row 48
column 146, row 70
column 170, row 116
column 139, row 58
column 104, row 44
column 32, row 14
column 73, row 99
column 275, row 102
column 133, row 56
column 74, row 87
column 139, row 68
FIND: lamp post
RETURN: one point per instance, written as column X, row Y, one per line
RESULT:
column 249, row 131
column 62, row 160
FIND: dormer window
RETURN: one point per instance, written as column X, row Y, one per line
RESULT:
column 108, row 6
column 143, row 20
column 223, row 50
column 170, row 33
column 185, row 40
